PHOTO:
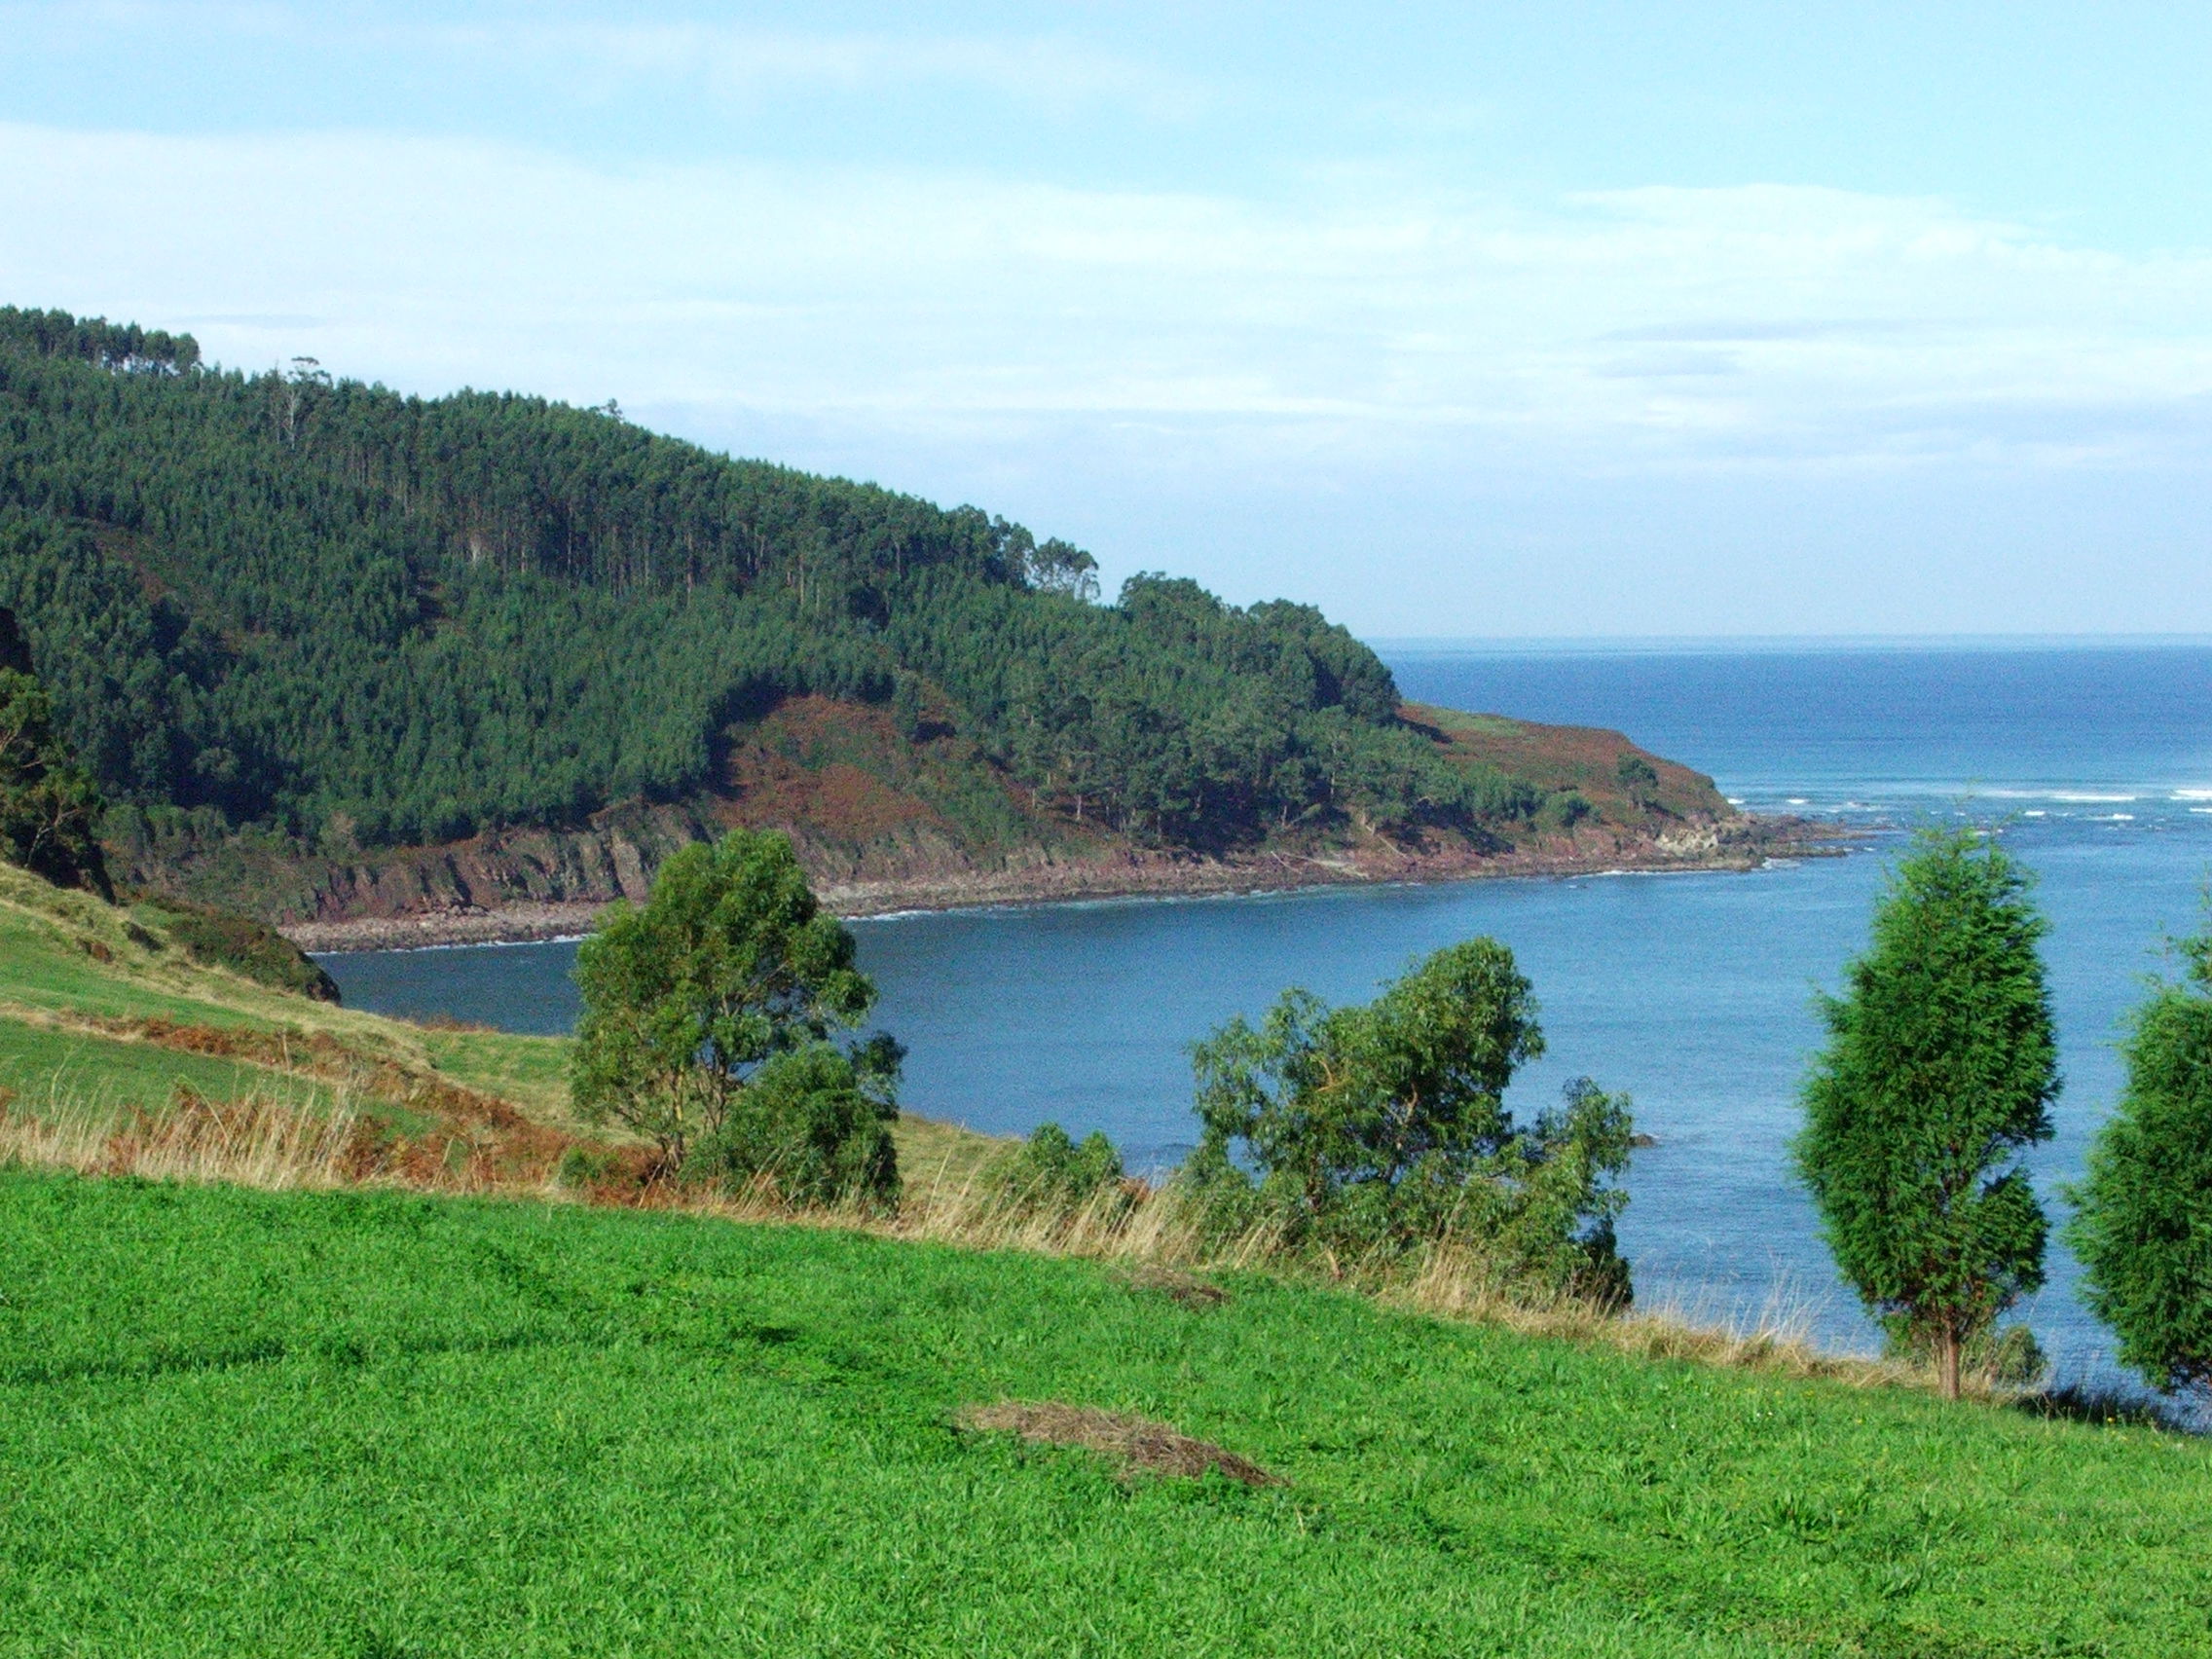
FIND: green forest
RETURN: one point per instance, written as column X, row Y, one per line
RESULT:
column 326, row 610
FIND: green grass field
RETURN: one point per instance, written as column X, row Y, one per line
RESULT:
column 374, row 1423
column 69, row 961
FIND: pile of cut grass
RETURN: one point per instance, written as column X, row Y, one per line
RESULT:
column 371, row 1422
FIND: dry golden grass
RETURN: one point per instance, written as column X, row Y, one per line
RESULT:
column 1158, row 1237
column 255, row 1142
column 261, row 1141
column 1453, row 1281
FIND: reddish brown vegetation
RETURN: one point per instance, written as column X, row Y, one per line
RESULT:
column 479, row 1140
column 824, row 768
column 1177, row 1286
column 1584, row 758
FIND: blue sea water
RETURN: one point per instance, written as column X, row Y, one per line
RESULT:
column 1694, row 992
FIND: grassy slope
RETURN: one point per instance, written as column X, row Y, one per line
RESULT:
column 1585, row 759
column 358, row 1423
column 244, row 1422
column 69, row 964
column 64, row 1014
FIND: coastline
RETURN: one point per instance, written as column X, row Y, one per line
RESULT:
column 1739, row 844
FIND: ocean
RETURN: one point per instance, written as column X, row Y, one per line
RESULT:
column 1693, row 992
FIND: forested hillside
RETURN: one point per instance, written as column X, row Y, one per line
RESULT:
column 348, row 619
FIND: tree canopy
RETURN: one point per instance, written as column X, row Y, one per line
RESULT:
column 1384, row 1124
column 707, row 1014
column 1941, row 1068
column 2143, row 1226
column 301, row 602
column 48, row 805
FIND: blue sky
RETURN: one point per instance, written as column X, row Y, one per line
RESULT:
column 1546, row 320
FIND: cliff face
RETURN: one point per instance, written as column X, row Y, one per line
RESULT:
column 883, row 820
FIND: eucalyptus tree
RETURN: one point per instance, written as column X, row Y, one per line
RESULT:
column 709, row 1014
column 1383, row 1126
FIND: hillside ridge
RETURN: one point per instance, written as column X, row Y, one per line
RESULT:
column 879, row 830
column 335, row 654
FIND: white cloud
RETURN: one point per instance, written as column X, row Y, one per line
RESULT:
column 1757, row 328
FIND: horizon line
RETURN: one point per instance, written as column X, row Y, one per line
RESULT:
column 1475, row 645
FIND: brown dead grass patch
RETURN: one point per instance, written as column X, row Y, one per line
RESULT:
column 494, row 1127
column 837, row 769
column 447, row 1022
column 254, row 1142
column 1173, row 1283
column 259, row 1142
column 1139, row 1445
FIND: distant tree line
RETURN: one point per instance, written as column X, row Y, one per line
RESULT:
column 96, row 339
column 306, row 603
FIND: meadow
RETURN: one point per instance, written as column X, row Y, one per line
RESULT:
column 426, row 1401
column 375, row 1423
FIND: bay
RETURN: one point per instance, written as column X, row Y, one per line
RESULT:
column 1693, row 992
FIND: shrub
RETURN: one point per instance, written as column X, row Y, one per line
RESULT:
column 1051, row 1171
column 1568, row 809
column 1382, row 1125
column 815, row 1121
column 240, row 944
column 1638, row 778
column 587, row 1165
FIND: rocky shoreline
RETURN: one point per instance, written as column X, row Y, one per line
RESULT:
column 1739, row 844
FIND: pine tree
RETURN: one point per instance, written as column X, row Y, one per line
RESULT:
column 2144, row 1223
column 1942, row 1065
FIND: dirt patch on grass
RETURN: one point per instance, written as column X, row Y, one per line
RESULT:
column 1137, row 1444
column 1176, row 1285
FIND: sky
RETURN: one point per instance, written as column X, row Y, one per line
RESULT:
column 1486, row 320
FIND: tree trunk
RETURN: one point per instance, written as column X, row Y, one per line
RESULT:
column 1947, row 1362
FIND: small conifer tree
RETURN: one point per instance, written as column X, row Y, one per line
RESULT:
column 1942, row 1065
column 2143, row 1227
